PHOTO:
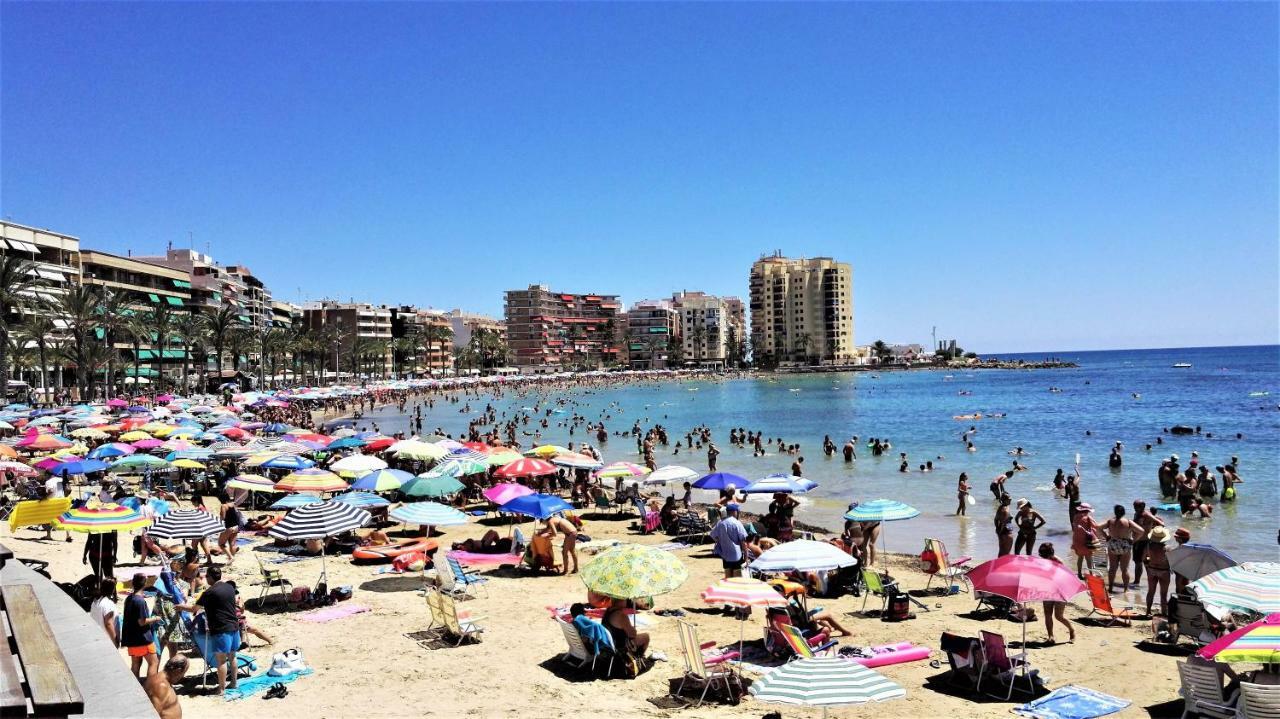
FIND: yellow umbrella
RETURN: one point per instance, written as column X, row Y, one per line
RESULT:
column 548, row 450
column 89, row 433
column 135, row 436
column 188, row 464
column 156, row 428
column 257, row 460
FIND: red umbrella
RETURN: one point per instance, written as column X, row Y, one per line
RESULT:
column 377, row 444
column 478, row 447
column 527, row 467
column 1026, row 579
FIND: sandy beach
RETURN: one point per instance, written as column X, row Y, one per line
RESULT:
column 367, row 661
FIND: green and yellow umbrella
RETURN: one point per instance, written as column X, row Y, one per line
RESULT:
column 503, row 456
column 96, row 518
column 421, row 451
column 629, row 571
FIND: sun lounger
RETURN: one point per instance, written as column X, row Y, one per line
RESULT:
column 948, row 569
column 1258, row 701
column 703, row 669
column 459, row 624
column 1102, row 603
column 997, row 661
column 1203, row 693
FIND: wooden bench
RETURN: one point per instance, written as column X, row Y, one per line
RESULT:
column 52, row 688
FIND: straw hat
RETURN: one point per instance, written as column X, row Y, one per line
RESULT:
column 1159, row 534
column 1084, row 507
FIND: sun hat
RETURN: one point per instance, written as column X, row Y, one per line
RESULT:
column 1021, row 501
column 1182, row 533
column 1159, row 534
column 142, row 494
column 1084, row 507
column 1173, row 456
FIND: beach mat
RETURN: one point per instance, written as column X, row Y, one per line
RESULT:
column 287, row 559
column 260, row 683
column 328, row 614
column 1072, row 702
column 477, row 558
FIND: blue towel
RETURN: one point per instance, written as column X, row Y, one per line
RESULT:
column 253, row 685
column 594, row 635
column 1072, row 702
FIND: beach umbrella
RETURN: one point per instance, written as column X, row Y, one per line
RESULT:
column 720, row 480
column 421, row 451
column 186, row 524
column 44, row 443
column 824, row 682
column 311, row 480
column 525, row 468
column 480, row 447
column 318, row 521
column 382, row 480
column 288, row 461
column 744, row 592
column 89, row 433
column 538, row 506
column 293, row 501
column 630, row 571
column 345, row 443
column 84, row 466
column 502, row 493
column 362, row 499
column 1257, row 642
column 779, row 484
column 136, row 462
column 502, row 456
column 881, row 510
column 425, row 486
column 18, row 468
column 136, row 435
column 466, row 454
column 802, row 555
column 547, row 450
column 159, row 507
column 1252, row 586
column 252, row 483
column 147, row 443
column 428, row 514
column 1021, row 578
column 454, row 467
column 98, row 518
column 1193, row 560
column 625, row 470
column 187, row 464
column 7, row 452
column 358, row 464
column 670, row 473
column 574, row 460
column 378, row 444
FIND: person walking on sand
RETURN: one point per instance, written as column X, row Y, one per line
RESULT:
column 136, row 635
column 1055, row 610
column 730, row 538
column 559, row 525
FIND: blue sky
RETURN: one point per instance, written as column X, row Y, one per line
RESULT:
column 1024, row 176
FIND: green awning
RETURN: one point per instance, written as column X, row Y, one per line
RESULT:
column 175, row 301
column 99, row 333
column 142, row 372
column 168, row 354
column 153, row 297
column 182, row 283
column 245, row 318
column 657, row 330
column 217, row 297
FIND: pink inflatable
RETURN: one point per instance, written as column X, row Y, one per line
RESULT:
column 894, row 654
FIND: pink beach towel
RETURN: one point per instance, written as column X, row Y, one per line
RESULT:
column 328, row 614
column 484, row 559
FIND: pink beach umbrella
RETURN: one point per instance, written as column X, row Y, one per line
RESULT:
column 1023, row 579
column 502, row 493
column 148, row 443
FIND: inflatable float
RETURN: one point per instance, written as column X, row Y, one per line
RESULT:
column 892, row 654
column 388, row 552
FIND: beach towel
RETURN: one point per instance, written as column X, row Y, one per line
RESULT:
column 261, row 682
column 287, row 559
column 477, row 558
column 593, row 634
column 328, row 614
column 1072, row 702
column 672, row 546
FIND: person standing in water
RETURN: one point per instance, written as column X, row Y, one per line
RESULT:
column 962, row 493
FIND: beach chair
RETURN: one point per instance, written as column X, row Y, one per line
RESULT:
column 1102, row 603
column 578, row 654
column 271, row 578
column 802, row 647
column 603, row 503
column 1258, row 701
column 462, row 580
column 518, row 541
column 1202, row 692
column 689, row 525
column 964, row 656
column 703, row 669
column 947, row 569
column 433, row 605
column 776, row 641
column 1192, row 621
column 997, row 660
column 463, row 626
column 877, row 585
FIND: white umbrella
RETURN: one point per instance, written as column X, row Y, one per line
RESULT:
column 802, row 555
column 358, row 464
column 670, row 473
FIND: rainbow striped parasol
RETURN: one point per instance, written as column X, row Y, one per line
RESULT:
column 98, row 518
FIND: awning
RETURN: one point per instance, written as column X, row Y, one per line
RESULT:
column 51, row 275
column 182, row 283
column 153, row 297
column 24, row 246
column 175, row 301
column 168, row 354
column 245, row 318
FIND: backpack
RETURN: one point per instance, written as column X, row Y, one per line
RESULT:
column 929, row 562
column 899, row 608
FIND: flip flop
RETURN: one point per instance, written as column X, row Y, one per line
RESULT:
column 277, row 690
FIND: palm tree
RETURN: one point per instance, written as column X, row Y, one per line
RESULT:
column 80, row 306
column 433, row 335
column 18, row 281
column 881, row 350
column 163, row 321
column 803, row 340
column 238, row 339
column 139, row 332
column 400, row 349
column 219, row 325
column 275, row 344
column 39, row 330
column 699, row 337
column 190, row 331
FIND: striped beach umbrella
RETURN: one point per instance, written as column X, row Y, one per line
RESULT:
column 430, row 514
column 99, row 518
column 467, row 454
column 881, row 510
column 824, row 682
column 802, row 555
column 624, row 470
column 382, row 480
column 311, row 480
column 779, row 484
column 574, row 460
column 363, row 499
column 44, row 443
column 1252, row 586
column 457, row 467
column 317, row 521
column 293, row 501
column 1257, row 642
column 629, row 571
column 525, row 468
column 186, row 524
column 252, row 483
column 547, row 450
column 743, row 592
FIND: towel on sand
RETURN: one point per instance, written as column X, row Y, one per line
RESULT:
column 337, row 611
column 1072, row 702
column 260, row 682
column 477, row 558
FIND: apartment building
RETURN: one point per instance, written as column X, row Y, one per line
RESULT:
column 250, row 294
column 711, row 329
column 352, row 323
column 56, row 260
column 652, row 331
column 548, row 331
column 801, row 310
column 285, row 315
column 465, row 324
column 433, row 340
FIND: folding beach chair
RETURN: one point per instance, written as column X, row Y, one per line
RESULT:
column 802, row 647
column 1192, row 621
column 1202, row 692
column 434, row 606
column 964, row 656
column 997, row 660
column 1258, row 701
column 878, row 586
column 947, row 569
column 1102, row 603
column 603, row 503
column 463, row 626
column 271, row 578
column 462, row 579
column 775, row 639
column 579, row 654
column 690, row 525
column 704, row 669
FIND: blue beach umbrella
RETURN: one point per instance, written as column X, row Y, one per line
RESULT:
column 83, row 466
column 292, row 501
column 538, row 506
column 429, row 514
column 289, row 461
column 108, row 450
column 382, row 480
column 780, row 484
column 362, row 499
column 346, row 443
column 720, row 480
column 881, row 510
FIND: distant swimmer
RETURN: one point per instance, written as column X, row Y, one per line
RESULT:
column 1135, row 395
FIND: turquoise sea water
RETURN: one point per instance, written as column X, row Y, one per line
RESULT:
column 915, row 410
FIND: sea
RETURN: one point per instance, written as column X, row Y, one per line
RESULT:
column 1231, row 395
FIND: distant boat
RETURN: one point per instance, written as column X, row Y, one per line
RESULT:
column 1182, row 365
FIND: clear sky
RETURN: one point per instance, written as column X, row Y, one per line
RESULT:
column 1023, row 176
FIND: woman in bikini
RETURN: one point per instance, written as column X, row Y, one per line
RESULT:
column 1004, row 526
column 1157, row 561
column 1028, row 520
column 1119, row 531
column 1055, row 610
column 962, row 493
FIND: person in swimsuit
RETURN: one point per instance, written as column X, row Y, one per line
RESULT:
column 1157, row 561
column 1083, row 537
column 1028, row 520
column 231, row 522
column 870, row 533
column 1147, row 521
column 568, row 550
column 1004, row 526
column 1055, row 610
column 623, row 632
column 962, row 494
column 1119, row 532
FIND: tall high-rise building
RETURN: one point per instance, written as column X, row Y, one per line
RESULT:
column 711, row 329
column 432, row 341
column 652, row 335
column 801, row 310
column 549, row 331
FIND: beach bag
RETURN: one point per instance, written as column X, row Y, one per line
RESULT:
column 899, row 608
column 299, row 595
column 341, row 594
column 409, row 562
column 929, row 562
column 286, row 663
